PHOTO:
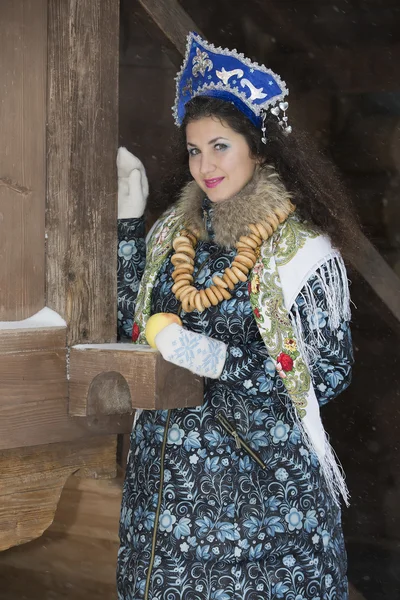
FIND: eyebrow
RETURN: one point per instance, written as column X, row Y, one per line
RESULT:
column 211, row 141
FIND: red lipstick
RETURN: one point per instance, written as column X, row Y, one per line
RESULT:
column 211, row 183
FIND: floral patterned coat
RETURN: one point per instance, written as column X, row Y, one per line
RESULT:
column 224, row 501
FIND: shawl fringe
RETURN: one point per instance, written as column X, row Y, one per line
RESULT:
column 330, row 464
column 332, row 277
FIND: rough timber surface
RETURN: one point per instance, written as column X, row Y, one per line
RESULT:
column 34, row 399
column 113, row 378
column 23, row 44
column 82, row 135
column 32, row 479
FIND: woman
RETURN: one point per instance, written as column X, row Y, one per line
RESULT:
column 238, row 499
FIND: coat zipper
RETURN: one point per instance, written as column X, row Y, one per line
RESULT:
column 240, row 443
column 153, row 546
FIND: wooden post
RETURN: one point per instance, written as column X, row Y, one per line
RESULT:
column 82, row 180
column 23, row 44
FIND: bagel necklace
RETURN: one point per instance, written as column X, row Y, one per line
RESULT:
column 248, row 250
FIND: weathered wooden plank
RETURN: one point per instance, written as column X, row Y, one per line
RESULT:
column 23, row 340
column 172, row 19
column 59, row 128
column 31, row 481
column 48, row 422
column 375, row 270
column 94, row 505
column 82, row 184
column 107, row 380
column 92, row 558
column 76, row 556
column 34, row 392
column 23, row 46
column 32, row 377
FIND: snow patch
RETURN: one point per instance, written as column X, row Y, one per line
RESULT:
column 131, row 347
column 44, row 318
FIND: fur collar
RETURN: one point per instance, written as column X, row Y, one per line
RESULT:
column 252, row 204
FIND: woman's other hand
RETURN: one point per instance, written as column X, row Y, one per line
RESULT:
column 133, row 187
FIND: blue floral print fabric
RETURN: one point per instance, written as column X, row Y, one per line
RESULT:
column 237, row 509
column 131, row 260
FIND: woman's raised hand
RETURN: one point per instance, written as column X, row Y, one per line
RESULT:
column 133, row 187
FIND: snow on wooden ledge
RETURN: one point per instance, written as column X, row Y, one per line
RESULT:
column 119, row 346
column 44, row 318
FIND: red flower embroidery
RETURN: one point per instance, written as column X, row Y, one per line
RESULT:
column 257, row 313
column 249, row 287
column 286, row 361
column 135, row 332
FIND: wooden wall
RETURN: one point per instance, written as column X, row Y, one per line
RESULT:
column 58, row 68
column 23, row 73
column 76, row 557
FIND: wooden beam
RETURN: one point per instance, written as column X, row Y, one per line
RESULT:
column 75, row 558
column 375, row 270
column 47, row 422
column 172, row 19
column 113, row 378
column 26, row 340
column 32, row 377
column 34, row 392
column 82, row 139
column 32, row 479
column 23, row 70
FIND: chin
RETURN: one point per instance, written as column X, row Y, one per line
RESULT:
column 216, row 195
column 217, row 199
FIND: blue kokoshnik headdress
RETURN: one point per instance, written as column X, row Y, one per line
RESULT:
column 226, row 74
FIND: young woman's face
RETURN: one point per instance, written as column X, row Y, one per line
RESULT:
column 219, row 158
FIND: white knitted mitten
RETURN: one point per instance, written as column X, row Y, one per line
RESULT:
column 200, row 354
column 133, row 187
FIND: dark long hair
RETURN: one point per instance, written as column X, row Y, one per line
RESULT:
column 311, row 178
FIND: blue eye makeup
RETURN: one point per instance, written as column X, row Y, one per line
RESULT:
column 219, row 147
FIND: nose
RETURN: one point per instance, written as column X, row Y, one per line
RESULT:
column 207, row 165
